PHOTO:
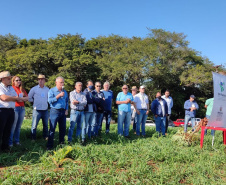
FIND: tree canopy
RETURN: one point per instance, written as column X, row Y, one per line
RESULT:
column 162, row 60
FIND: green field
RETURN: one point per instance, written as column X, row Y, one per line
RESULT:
column 114, row 160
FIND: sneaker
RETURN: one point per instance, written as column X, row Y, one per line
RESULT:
column 10, row 146
column 17, row 144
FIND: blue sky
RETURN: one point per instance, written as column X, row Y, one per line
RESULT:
column 203, row 21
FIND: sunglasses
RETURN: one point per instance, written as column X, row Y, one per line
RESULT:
column 18, row 80
column 124, row 88
column 98, row 86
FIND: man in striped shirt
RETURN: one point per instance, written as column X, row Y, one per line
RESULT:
column 77, row 102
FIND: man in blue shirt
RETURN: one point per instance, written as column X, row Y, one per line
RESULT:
column 124, row 100
column 108, row 94
column 190, row 107
column 58, row 100
column 160, row 110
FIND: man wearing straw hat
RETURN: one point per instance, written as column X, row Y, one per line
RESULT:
column 39, row 96
column 8, row 97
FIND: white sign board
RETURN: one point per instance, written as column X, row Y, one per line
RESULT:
column 218, row 115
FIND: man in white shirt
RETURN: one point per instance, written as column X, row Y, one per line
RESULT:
column 142, row 105
column 169, row 101
column 8, row 97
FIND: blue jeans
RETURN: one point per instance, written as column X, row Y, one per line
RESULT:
column 89, row 126
column 186, row 120
column 124, row 117
column 134, row 121
column 98, row 120
column 76, row 117
column 107, row 115
column 160, row 123
column 212, row 131
column 141, row 120
column 36, row 116
column 15, row 130
column 56, row 115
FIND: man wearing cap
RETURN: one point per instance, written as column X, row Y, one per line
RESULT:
column 78, row 103
column 142, row 104
column 8, row 97
column 169, row 101
column 39, row 96
column 190, row 107
column 58, row 100
column 133, row 110
column 124, row 100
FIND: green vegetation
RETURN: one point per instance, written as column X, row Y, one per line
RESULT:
column 162, row 60
column 114, row 160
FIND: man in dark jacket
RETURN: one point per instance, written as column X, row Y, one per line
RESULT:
column 99, row 100
column 160, row 110
column 90, row 110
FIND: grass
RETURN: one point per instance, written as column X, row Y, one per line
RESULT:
column 114, row 160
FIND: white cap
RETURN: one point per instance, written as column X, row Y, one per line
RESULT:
column 142, row 87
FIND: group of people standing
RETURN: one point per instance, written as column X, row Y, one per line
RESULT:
column 88, row 108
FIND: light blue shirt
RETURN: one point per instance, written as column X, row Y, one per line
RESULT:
column 60, row 103
column 169, row 102
column 122, row 97
column 187, row 105
column 39, row 97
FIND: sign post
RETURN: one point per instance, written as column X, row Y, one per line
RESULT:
column 217, row 119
